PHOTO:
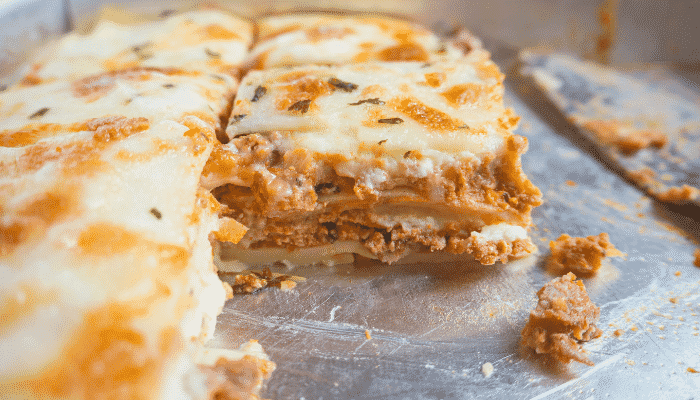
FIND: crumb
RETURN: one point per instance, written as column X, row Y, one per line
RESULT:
column 677, row 273
column 487, row 369
column 287, row 285
column 254, row 281
column 571, row 183
column 367, row 335
column 582, row 256
column 619, row 332
column 673, row 300
column 564, row 316
column 633, row 329
column 697, row 258
column 630, row 362
column 692, row 370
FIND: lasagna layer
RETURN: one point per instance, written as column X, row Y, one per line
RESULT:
column 355, row 153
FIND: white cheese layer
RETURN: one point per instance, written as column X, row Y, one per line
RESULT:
column 449, row 107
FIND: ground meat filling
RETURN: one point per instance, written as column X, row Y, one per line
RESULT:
column 564, row 317
column 285, row 198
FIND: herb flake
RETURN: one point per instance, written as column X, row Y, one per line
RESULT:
column 259, row 93
column 392, row 121
column 154, row 211
column 375, row 101
column 40, row 113
column 302, row 106
column 237, row 118
column 212, row 53
column 342, row 85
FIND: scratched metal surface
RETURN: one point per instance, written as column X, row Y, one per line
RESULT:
column 433, row 324
column 586, row 92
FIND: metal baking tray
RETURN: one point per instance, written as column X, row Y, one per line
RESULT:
column 434, row 324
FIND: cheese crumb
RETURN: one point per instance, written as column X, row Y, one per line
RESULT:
column 368, row 336
column 487, row 369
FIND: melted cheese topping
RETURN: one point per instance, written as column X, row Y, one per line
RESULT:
column 387, row 109
column 29, row 114
column 201, row 40
column 322, row 39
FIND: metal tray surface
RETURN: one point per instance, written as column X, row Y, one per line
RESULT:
column 433, row 324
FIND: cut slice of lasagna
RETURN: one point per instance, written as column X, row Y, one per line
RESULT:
column 374, row 159
column 200, row 40
column 300, row 39
column 106, row 273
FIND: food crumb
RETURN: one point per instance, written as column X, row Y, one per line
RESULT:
column 633, row 329
column 571, row 183
column 254, row 281
column 673, row 300
column 697, row 258
column 580, row 255
column 692, row 370
column 619, row 332
column 487, row 369
column 287, row 285
column 564, row 317
column 367, row 335
column 630, row 362
column 678, row 273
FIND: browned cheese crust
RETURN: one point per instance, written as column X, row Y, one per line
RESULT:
column 563, row 318
column 696, row 262
column 582, row 256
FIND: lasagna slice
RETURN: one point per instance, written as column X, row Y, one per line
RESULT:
column 108, row 284
column 211, row 41
column 374, row 159
column 300, row 39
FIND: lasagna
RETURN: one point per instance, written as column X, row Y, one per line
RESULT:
column 301, row 39
column 123, row 155
column 107, row 276
column 376, row 159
